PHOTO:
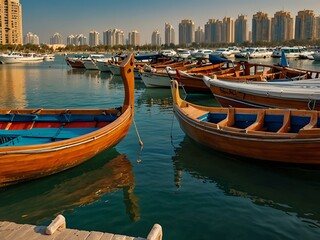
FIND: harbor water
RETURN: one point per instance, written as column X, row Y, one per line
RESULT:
column 193, row 192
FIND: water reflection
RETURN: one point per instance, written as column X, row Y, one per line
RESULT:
column 13, row 87
column 155, row 96
column 292, row 189
column 41, row 200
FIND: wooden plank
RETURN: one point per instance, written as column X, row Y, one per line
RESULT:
column 80, row 235
column 23, row 233
column 94, row 235
column 118, row 237
column 107, row 236
column 8, row 230
column 13, row 231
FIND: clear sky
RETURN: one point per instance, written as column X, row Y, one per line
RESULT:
column 46, row 17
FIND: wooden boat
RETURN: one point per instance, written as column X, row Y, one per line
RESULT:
column 39, row 142
column 192, row 81
column 279, row 135
column 289, row 94
column 76, row 62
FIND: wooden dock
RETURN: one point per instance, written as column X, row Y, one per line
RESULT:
column 14, row 231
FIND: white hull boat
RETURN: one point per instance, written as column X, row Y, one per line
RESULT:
column 19, row 58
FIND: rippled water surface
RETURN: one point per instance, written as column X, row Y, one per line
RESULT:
column 191, row 191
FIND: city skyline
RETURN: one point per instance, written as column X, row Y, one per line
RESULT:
column 44, row 18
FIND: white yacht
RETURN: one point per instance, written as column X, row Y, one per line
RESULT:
column 90, row 62
column 260, row 52
column 290, row 52
column 15, row 57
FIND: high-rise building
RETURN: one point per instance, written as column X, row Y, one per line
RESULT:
column 94, row 39
column 134, row 38
column 241, row 29
column 77, row 40
column 281, row 27
column 56, row 39
column 199, row 35
column 107, row 38
column 31, row 38
column 261, row 27
column 318, row 27
column 227, row 30
column 213, row 31
column 186, row 32
column 10, row 22
column 305, row 25
column 113, row 37
column 169, row 34
column 156, row 38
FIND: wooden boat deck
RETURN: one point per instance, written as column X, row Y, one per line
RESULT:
column 14, row 231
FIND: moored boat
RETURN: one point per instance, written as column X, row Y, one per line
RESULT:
column 277, row 135
column 15, row 57
column 304, row 94
column 39, row 142
column 76, row 61
column 242, row 71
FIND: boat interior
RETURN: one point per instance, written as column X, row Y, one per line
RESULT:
column 264, row 120
column 17, row 129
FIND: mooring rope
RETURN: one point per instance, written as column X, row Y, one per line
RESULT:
column 135, row 126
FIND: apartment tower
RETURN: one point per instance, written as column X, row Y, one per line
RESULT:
column 241, row 29
column 31, row 38
column 305, row 25
column 169, row 34
column 213, row 31
column 156, row 38
column 113, row 37
column 227, row 30
column 94, row 39
column 186, row 32
column 261, row 27
column 10, row 22
column 134, row 38
column 199, row 35
column 281, row 27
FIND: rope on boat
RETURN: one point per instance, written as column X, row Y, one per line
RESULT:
column 312, row 104
column 135, row 126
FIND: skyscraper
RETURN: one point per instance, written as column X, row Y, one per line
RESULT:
column 199, row 35
column 227, row 30
column 134, row 38
column 261, row 27
column 155, row 38
column 318, row 27
column 305, row 25
column 113, row 37
column 213, row 31
column 281, row 27
column 241, row 29
column 77, row 40
column 10, row 22
column 186, row 32
column 169, row 34
column 31, row 38
column 56, row 39
column 94, row 39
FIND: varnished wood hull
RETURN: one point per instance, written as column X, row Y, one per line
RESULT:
column 277, row 147
column 229, row 97
column 21, row 163
column 75, row 63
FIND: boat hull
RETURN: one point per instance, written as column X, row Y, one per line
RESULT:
column 252, row 141
column 22, row 162
column 238, row 97
column 25, row 163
